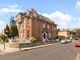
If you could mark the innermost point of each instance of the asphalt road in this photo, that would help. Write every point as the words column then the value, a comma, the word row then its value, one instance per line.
column 54, row 52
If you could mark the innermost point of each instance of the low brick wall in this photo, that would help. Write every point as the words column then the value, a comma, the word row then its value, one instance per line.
column 14, row 45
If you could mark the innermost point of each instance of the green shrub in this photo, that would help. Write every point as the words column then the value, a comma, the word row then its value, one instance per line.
column 33, row 39
column 3, row 38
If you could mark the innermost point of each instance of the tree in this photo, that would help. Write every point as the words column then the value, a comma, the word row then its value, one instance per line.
column 11, row 30
column 77, row 31
column 7, row 31
column 14, row 30
column 12, row 21
column 58, row 30
column 3, row 38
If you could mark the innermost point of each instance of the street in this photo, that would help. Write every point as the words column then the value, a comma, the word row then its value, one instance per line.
column 55, row 52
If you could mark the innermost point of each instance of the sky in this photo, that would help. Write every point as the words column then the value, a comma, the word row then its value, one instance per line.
column 65, row 13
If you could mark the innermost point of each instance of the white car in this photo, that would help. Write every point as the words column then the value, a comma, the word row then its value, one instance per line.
column 63, row 41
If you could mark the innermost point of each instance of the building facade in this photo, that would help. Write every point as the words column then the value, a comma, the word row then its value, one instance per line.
column 63, row 33
column 67, row 34
column 31, row 24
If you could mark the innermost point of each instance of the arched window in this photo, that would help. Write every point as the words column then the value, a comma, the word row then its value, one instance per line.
column 44, row 25
column 48, row 26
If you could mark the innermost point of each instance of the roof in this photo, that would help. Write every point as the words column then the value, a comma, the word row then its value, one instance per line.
column 34, row 14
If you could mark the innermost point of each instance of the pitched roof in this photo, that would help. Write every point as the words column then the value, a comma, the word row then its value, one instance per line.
column 34, row 14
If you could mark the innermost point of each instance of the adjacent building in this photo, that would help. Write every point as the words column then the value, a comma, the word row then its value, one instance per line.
column 31, row 24
column 66, row 34
column 63, row 33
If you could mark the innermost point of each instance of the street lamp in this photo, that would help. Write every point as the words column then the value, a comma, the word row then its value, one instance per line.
column 4, row 38
column 5, row 32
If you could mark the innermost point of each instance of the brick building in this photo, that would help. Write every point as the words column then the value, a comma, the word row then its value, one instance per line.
column 32, row 24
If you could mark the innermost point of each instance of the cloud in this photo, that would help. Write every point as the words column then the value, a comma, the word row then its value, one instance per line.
column 2, row 25
column 10, row 9
column 13, row 6
column 59, row 18
column 77, row 5
column 76, row 23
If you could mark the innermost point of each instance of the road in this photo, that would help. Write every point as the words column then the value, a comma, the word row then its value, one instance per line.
column 54, row 52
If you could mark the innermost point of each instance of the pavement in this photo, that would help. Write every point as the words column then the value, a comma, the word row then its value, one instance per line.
column 11, row 50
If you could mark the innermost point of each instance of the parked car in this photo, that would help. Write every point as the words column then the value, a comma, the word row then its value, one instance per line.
column 77, row 44
column 65, row 41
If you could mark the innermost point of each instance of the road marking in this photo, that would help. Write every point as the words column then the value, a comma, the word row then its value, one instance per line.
column 77, row 57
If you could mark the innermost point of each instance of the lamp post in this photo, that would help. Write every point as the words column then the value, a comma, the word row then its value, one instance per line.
column 4, row 41
column 4, row 38
column 5, row 32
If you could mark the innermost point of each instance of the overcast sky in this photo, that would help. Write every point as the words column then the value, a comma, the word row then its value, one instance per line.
column 65, row 13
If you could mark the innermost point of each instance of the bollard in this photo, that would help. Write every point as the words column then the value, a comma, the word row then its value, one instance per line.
column 20, row 46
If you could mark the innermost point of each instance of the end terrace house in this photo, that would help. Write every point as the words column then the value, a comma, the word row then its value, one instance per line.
column 32, row 24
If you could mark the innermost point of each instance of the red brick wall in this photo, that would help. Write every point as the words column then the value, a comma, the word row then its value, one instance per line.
column 35, row 28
